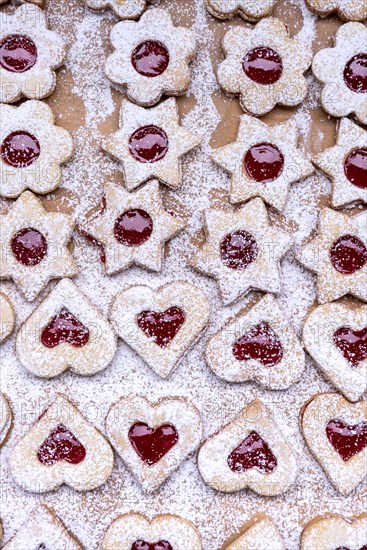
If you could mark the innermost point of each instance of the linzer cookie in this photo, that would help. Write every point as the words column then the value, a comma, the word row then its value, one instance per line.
column 153, row 440
column 258, row 534
column 124, row 9
column 29, row 55
column 66, row 330
column 348, row 10
column 6, row 418
column 7, row 317
column 160, row 324
column 336, row 434
column 247, row 9
column 249, row 452
column 335, row 532
column 61, row 447
column 342, row 71
column 150, row 144
column 151, row 57
column 264, row 66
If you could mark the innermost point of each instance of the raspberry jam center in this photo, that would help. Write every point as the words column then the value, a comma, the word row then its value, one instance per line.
column 355, row 167
column 61, row 444
column 352, row 344
column 29, row 246
column 18, row 53
column 253, row 452
column 263, row 65
column 348, row 254
column 355, row 73
column 64, row 327
column 347, row 440
column 20, row 149
column 150, row 58
column 148, row 144
column 162, row 327
column 151, row 444
column 133, row 228
column 260, row 343
column 264, row 162
column 238, row 250
column 143, row 545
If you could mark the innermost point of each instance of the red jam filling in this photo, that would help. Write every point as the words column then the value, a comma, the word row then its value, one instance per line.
column 260, row 343
column 264, row 162
column 64, row 327
column 238, row 250
column 253, row 452
column 151, row 444
column 133, row 228
column 347, row 440
column 150, row 58
column 42, row 547
column 355, row 167
column 352, row 344
column 143, row 545
column 263, row 65
column 18, row 53
column 29, row 246
column 20, row 149
column 355, row 73
column 148, row 144
column 163, row 326
column 61, row 444
column 348, row 254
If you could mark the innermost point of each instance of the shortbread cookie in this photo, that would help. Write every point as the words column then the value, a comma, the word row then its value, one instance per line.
column 153, row 440
column 124, row 9
column 264, row 66
column 161, row 324
column 260, row 534
column 335, row 335
column 249, row 452
column 242, row 250
column 151, row 57
column 150, row 143
column 33, row 245
column 30, row 71
column 335, row 532
column 136, row 532
column 338, row 255
column 263, row 161
column 66, row 330
column 133, row 228
column 336, row 434
column 342, row 70
column 7, row 317
column 247, row 9
column 258, row 345
column 61, row 447
column 6, row 418
column 43, row 530
column 31, row 149
column 348, row 10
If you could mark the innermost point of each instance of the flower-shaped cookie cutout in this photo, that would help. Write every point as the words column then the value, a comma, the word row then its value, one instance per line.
column 242, row 250
column 150, row 143
column 264, row 161
column 335, row 532
column 342, row 70
column 33, row 245
column 346, row 164
column 6, row 418
column 7, row 317
column 264, row 66
column 31, row 149
column 124, row 9
column 151, row 57
column 248, row 9
column 29, row 55
column 133, row 228
column 348, row 10
column 338, row 255
column 258, row 534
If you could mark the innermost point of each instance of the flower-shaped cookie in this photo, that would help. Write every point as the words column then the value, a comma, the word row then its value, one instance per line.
column 7, row 317
column 338, row 255
column 33, row 245
column 242, row 250
column 248, row 9
column 335, row 532
column 342, row 70
column 258, row 534
column 348, row 10
column 29, row 55
column 31, row 149
column 150, row 143
column 264, row 66
column 124, row 9
column 264, row 161
column 151, row 57
column 133, row 228
column 346, row 164
column 6, row 418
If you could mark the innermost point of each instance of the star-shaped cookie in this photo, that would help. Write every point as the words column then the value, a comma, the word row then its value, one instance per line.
column 242, row 250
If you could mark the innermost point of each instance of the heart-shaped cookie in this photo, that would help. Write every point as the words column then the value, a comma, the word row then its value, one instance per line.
column 6, row 417
column 249, row 452
column 335, row 532
column 336, row 434
column 61, row 447
column 160, row 324
column 153, row 440
column 65, row 331
column 258, row 534
column 7, row 317
column 335, row 335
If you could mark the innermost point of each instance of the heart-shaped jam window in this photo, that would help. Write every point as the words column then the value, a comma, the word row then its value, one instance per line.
column 253, row 452
column 162, row 326
column 61, row 444
column 260, row 343
column 42, row 547
column 65, row 328
column 151, row 444
column 143, row 545
column 352, row 344
column 347, row 440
